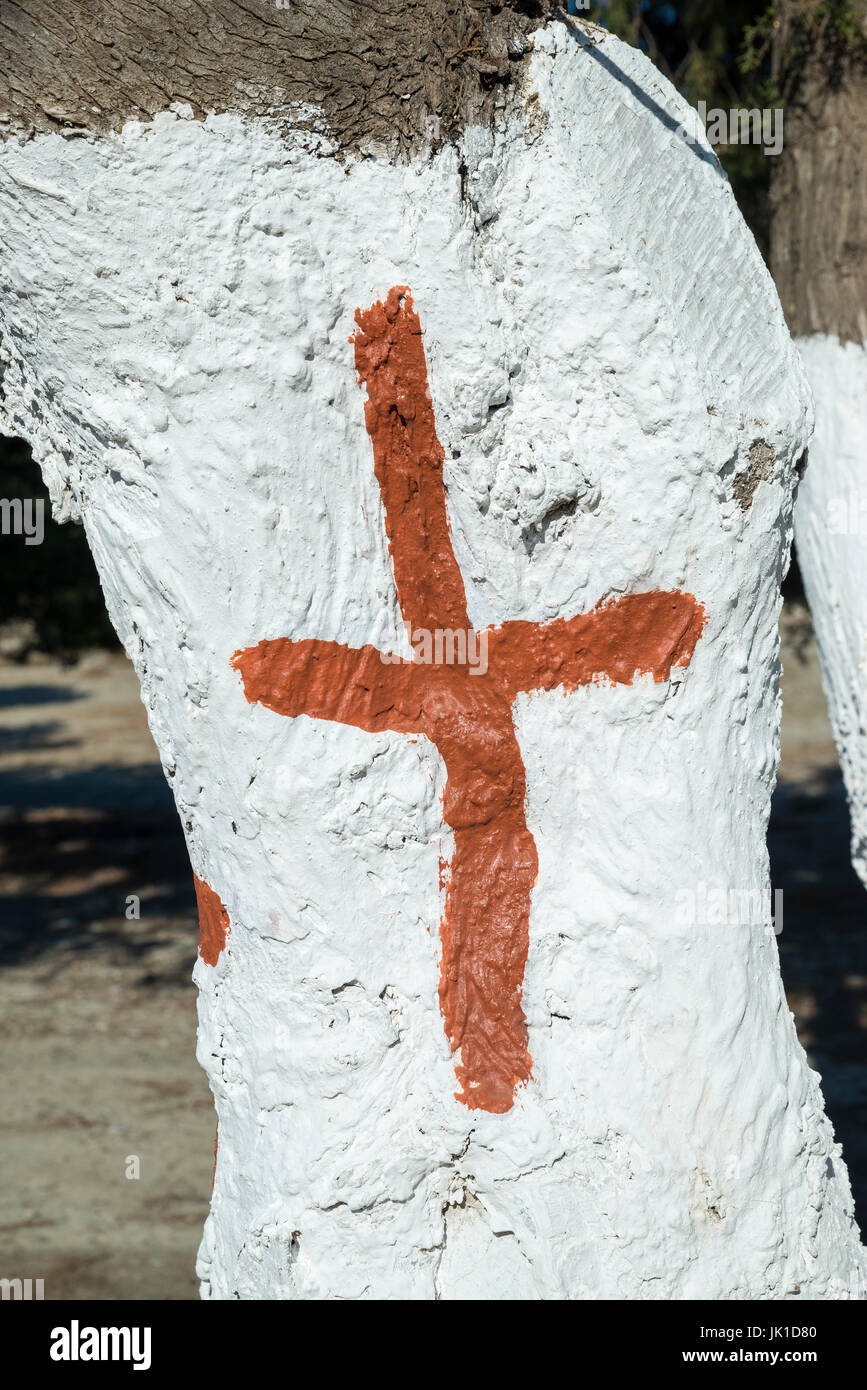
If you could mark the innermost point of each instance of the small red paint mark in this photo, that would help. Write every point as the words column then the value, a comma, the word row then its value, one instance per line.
column 213, row 922
column 468, row 715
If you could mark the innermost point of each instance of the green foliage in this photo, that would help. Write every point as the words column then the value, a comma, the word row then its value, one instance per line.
column 789, row 32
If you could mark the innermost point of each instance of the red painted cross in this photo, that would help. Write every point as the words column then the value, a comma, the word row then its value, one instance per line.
column 467, row 714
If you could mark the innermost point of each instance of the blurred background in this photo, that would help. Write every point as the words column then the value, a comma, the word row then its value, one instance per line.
column 97, row 912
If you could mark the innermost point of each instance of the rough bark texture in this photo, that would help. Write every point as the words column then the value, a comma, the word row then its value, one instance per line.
column 405, row 72
column 819, row 200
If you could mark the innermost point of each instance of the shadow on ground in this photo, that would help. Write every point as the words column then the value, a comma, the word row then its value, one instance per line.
column 98, row 939
column 84, row 852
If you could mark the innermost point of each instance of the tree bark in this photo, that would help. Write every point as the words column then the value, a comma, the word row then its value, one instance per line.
column 489, row 991
column 403, row 73
column 819, row 202
column 819, row 259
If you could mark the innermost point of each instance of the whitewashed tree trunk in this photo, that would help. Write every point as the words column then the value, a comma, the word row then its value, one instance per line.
column 831, row 533
column 818, row 234
column 621, row 414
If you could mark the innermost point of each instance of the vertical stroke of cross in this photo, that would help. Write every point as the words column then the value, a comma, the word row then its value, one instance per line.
column 468, row 715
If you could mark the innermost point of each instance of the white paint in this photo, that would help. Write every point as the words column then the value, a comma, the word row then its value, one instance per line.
column 831, row 532
column 177, row 307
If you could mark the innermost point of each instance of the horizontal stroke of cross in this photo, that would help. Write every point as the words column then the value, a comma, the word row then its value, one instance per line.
column 467, row 714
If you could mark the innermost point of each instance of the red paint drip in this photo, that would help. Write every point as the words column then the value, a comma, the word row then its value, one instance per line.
column 213, row 922
column 485, row 925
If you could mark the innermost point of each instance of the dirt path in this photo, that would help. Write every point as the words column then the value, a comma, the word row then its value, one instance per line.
column 99, row 1011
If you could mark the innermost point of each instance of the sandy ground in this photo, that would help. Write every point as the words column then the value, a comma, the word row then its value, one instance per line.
column 99, row 1011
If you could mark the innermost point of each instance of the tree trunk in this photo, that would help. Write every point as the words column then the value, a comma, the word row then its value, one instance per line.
column 819, row 254
column 441, row 500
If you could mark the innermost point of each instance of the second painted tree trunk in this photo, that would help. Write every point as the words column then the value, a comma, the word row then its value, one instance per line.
column 819, row 232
